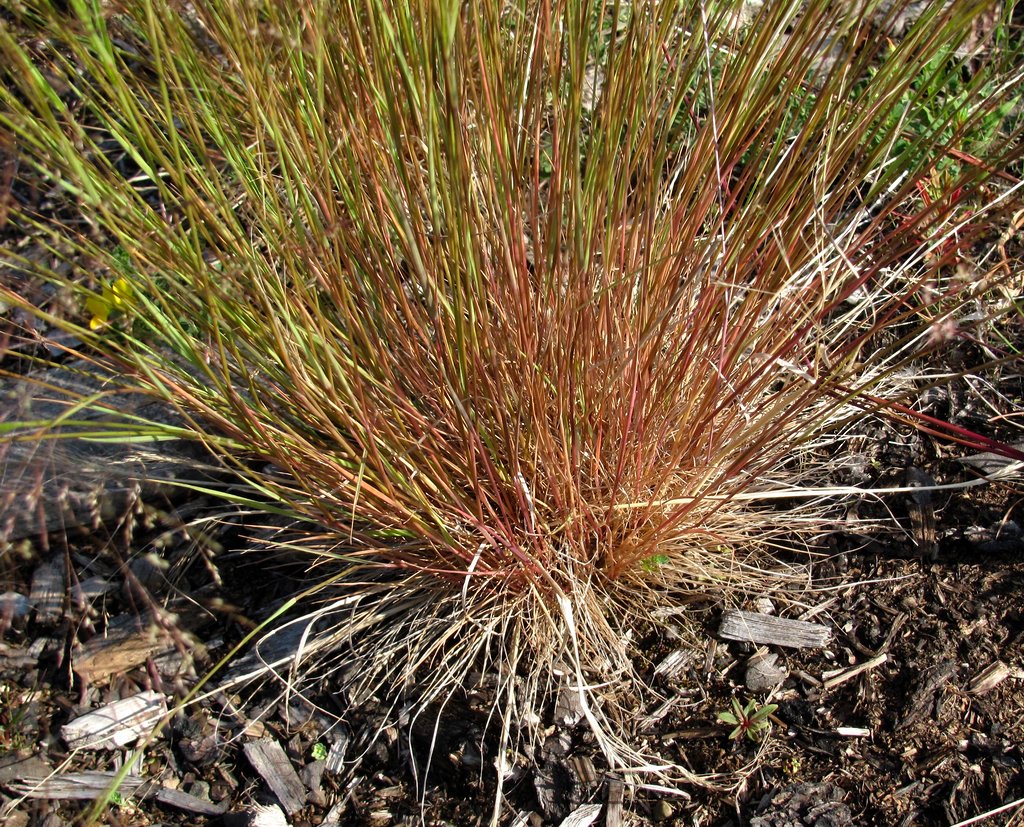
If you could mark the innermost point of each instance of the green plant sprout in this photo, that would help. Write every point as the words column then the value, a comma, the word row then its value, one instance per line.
column 752, row 720
column 654, row 562
column 319, row 751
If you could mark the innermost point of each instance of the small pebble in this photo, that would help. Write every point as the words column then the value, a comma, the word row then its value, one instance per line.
column 200, row 789
column 763, row 672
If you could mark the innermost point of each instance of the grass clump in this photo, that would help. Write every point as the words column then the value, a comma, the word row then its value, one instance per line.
column 534, row 310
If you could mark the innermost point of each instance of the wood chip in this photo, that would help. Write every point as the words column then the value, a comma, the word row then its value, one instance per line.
column 336, row 756
column 77, row 785
column 47, row 593
column 648, row 722
column 582, row 816
column 674, row 664
column 57, row 484
column 333, row 817
column 996, row 465
column 15, row 766
column 768, row 629
column 709, row 657
column 583, row 767
column 922, row 512
column 93, row 587
column 989, row 678
column 568, row 707
column 128, row 643
column 613, row 815
column 92, row 784
column 103, row 657
column 255, row 729
column 691, row 733
column 268, row 758
column 116, row 724
column 258, row 816
column 184, row 801
column 831, row 679
column 44, row 646
column 14, row 605
column 853, row 732
column 807, row 678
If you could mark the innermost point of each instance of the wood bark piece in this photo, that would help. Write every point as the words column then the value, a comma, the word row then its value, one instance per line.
column 582, row 816
column 116, row 724
column 613, row 816
column 268, row 758
column 805, row 803
column 92, row 784
column 768, row 629
column 922, row 512
column 835, row 678
column 258, row 816
column 930, row 685
column 47, row 593
column 568, row 707
column 129, row 642
column 991, row 676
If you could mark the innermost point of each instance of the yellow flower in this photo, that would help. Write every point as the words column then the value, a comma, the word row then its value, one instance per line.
column 115, row 297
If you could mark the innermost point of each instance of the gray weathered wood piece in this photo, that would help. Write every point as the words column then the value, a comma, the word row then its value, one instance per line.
column 48, row 588
column 268, row 758
column 336, row 756
column 333, row 817
column 613, row 815
column 989, row 678
column 121, row 722
column 582, row 816
column 674, row 664
column 93, row 783
column 55, row 484
column 184, row 801
column 769, row 629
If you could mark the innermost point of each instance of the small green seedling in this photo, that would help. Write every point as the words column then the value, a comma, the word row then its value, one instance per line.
column 319, row 751
column 750, row 720
column 653, row 563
